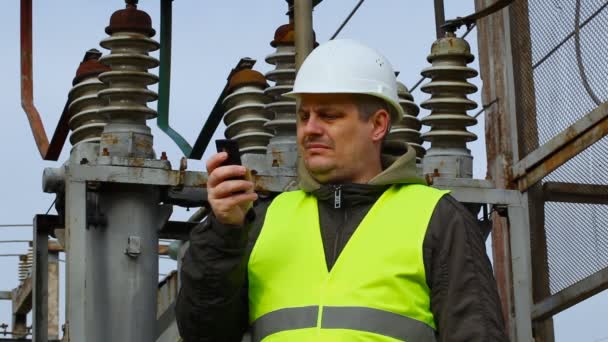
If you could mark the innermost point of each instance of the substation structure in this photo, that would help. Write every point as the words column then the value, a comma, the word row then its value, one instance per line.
column 115, row 194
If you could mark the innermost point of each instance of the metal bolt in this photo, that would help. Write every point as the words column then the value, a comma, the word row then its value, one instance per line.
column 133, row 246
column 105, row 152
column 163, row 156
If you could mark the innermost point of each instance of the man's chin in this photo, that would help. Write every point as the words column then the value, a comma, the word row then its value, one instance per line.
column 322, row 173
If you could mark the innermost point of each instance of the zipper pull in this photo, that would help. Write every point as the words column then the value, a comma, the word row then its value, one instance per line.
column 337, row 197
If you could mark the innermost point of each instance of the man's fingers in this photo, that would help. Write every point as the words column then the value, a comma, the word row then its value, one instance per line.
column 229, row 188
column 224, row 173
column 235, row 200
column 215, row 161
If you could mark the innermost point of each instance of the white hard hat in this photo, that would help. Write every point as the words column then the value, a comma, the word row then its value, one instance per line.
column 346, row 66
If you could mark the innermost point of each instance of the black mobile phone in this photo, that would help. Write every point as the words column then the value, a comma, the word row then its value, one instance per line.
column 232, row 148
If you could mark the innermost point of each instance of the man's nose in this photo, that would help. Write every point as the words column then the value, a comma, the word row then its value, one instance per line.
column 312, row 126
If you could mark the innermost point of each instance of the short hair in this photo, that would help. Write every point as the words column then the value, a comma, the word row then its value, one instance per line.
column 368, row 105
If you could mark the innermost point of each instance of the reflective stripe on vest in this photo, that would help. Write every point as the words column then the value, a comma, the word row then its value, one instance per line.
column 335, row 317
column 375, row 291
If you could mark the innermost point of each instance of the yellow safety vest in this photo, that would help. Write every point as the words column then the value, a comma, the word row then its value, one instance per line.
column 376, row 290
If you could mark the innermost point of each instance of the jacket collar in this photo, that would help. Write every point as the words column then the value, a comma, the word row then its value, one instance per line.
column 396, row 170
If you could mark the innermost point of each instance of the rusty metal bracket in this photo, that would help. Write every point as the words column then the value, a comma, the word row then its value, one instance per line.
column 52, row 151
column 453, row 24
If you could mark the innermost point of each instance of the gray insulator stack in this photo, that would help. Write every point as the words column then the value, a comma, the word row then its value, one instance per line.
column 86, row 123
column 448, row 155
column 23, row 268
column 407, row 130
column 127, row 94
column 282, row 149
column 246, row 112
column 26, row 262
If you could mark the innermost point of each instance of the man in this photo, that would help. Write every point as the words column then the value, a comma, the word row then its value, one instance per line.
column 363, row 252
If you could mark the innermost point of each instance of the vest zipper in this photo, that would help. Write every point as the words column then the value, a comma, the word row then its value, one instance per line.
column 337, row 197
column 339, row 229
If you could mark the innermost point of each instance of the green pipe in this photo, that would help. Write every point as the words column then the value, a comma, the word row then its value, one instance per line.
column 164, row 87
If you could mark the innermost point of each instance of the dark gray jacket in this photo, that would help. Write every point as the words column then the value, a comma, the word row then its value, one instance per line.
column 213, row 303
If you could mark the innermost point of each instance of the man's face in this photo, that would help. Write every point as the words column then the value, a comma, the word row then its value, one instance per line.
column 335, row 144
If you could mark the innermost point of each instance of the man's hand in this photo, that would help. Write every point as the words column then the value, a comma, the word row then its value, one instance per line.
column 230, row 198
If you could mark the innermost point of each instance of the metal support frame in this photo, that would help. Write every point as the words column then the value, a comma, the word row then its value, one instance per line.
column 516, row 203
column 40, row 287
column 45, row 279
column 563, row 147
column 571, row 295
column 82, row 181
column 75, row 238
column 21, row 304
column 47, row 151
column 575, row 193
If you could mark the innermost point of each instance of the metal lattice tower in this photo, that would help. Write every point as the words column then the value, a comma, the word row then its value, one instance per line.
column 448, row 155
column 127, row 94
column 85, row 122
column 406, row 130
column 246, row 112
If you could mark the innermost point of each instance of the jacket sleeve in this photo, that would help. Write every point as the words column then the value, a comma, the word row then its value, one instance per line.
column 212, row 301
column 464, row 297
column 212, row 304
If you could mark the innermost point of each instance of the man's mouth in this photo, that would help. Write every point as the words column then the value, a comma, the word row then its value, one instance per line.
column 312, row 146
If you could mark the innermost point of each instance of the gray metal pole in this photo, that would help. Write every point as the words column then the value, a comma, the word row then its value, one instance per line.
column 303, row 30
column 439, row 18
column 122, row 270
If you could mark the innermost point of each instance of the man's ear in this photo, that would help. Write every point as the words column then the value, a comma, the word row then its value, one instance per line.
column 381, row 122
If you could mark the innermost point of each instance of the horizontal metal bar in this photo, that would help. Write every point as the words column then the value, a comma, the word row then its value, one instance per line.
column 136, row 175
column 15, row 225
column 574, row 139
column 21, row 339
column 575, row 193
column 571, row 295
column 461, row 182
column 477, row 194
column 6, row 295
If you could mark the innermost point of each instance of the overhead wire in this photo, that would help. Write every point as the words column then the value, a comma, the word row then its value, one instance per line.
column 350, row 15
column 579, row 58
column 16, row 225
column 9, row 225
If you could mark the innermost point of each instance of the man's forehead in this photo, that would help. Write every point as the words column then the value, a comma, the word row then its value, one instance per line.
column 310, row 101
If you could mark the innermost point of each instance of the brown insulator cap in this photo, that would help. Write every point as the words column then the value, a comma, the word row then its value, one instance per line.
column 131, row 19
column 246, row 77
column 90, row 66
column 285, row 35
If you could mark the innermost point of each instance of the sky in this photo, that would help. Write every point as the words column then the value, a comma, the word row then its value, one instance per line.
column 208, row 39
